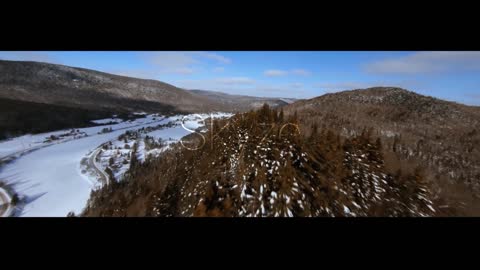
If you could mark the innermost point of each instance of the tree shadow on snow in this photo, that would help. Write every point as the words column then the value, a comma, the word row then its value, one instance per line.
column 32, row 198
column 19, row 208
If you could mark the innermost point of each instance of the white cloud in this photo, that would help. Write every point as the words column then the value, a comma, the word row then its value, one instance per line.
column 216, row 83
column 301, row 72
column 235, row 80
column 278, row 72
column 427, row 62
column 275, row 73
column 182, row 70
column 170, row 62
column 169, row 59
column 214, row 56
column 219, row 69
column 282, row 91
column 181, row 62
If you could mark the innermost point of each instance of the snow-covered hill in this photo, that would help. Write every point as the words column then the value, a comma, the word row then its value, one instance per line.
column 84, row 88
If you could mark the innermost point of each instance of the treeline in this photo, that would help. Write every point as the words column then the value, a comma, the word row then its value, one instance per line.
column 21, row 117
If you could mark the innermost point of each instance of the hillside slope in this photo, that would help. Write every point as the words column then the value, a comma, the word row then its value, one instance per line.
column 442, row 136
column 262, row 164
column 78, row 87
column 21, row 117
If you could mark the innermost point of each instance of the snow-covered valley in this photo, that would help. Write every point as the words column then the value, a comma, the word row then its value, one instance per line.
column 45, row 169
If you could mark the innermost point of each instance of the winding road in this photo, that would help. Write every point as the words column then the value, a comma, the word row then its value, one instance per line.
column 92, row 163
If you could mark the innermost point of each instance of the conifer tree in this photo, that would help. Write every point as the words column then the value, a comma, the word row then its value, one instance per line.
column 111, row 161
column 395, row 143
column 133, row 159
column 295, row 117
column 378, row 144
column 111, row 177
column 275, row 116
column 281, row 116
column 314, row 131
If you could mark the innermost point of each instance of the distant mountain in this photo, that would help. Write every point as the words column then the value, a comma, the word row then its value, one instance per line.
column 242, row 103
column 89, row 89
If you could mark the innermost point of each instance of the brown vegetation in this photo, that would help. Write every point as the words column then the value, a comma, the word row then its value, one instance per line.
column 416, row 130
column 264, row 163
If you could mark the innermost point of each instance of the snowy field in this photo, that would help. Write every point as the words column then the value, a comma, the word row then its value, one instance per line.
column 29, row 142
column 116, row 154
column 49, row 178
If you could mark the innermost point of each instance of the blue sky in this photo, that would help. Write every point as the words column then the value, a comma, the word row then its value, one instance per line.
column 452, row 76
